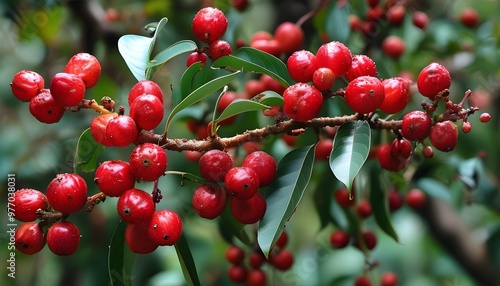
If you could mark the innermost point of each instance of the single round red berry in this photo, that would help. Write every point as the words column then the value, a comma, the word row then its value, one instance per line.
column 362, row 65
column 428, row 152
column 67, row 193
column 136, row 239
column 339, row 238
column 323, row 79
column 242, row 182
column 226, row 99
column 254, row 87
column 301, row 66
column 239, row 5
column 27, row 202
column 335, row 56
column 469, row 17
column 272, row 84
column 302, row 102
column 415, row 198
column 63, row 238
column 45, row 109
column 416, row 125
column 374, row 14
column 122, row 131
column 263, row 164
column 165, row 227
column 144, row 87
column 98, row 127
column 364, row 94
column 444, row 136
column 396, row 14
column 281, row 260
column 114, row 177
column 369, row 240
column 67, row 89
column 256, row 260
column 248, row 211
column 147, row 111
column 420, row 19
column 466, row 127
column 484, row 117
column 135, row 206
column 389, row 162
column 282, row 240
column 388, row 279
column 29, row 238
column 393, row 46
column 214, row 165
column 195, row 57
column 219, row 48
column 235, row 255
column 323, row 149
column 395, row 200
column 209, row 24
column 26, row 84
column 237, row 273
column 401, row 148
column 433, row 79
column 289, row 36
column 86, row 66
column 364, row 208
column 397, row 94
column 148, row 162
column 362, row 281
column 343, row 198
column 208, row 201
column 269, row 46
column 256, row 277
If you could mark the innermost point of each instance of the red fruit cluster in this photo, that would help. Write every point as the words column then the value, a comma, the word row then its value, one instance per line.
column 286, row 39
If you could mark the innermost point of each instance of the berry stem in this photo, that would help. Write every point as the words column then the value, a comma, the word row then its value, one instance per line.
column 313, row 12
column 94, row 200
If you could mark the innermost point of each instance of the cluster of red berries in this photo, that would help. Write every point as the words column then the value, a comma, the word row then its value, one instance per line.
column 67, row 89
column 386, row 279
column 251, row 272
column 286, row 39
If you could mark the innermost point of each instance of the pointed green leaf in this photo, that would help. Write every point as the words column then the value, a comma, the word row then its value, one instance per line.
column 87, row 153
column 187, row 176
column 253, row 60
column 120, row 258
column 238, row 106
column 186, row 82
column 351, row 146
column 335, row 22
column 322, row 198
column 167, row 54
column 380, row 203
column 271, row 98
column 235, row 228
column 199, row 94
column 187, row 262
column 284, row 194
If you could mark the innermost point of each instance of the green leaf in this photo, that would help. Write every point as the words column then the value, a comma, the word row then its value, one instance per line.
column 284, row 194
column 435, row 188
column 199, row 94
column 120, row 258
column 236, row 228
column 380, row 203
column 322, row 198
column 238, row 106
column 167, row 54
column 351, row 146
column 186, row 82
column 335, row 22
column 187, row 176
column 270, row 98
column 187, row 262
column 87, row 153
column 253, row 60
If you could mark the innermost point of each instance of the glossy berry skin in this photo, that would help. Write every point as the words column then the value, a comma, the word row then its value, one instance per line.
column 339, row 239
column 362, row 65
column 45, row 109
column 301, row 66
column 263, row 164
column 26, row 84
column 98, row 127
column 136, row 241
column 67, row 193
column 416, row 125
column 195, row 57
column 29, row 238
column 67, row 89
column 144, row 86
column 393, row 46
column 323, row 79
column 135, row 206
column 389, row 162
column 362, row 281
column 484, row 117
column 237, row 273
column 401, row 148
column 282, row 260
column 397, row 94
column 363, row 208
column 214, row 165
column 256, row 277
column 428, row 152
column 165, row 227
column 235, row 255
column 335, row 56
column 219, row 48
column 209, row 24
column 396, row 14
column 86, row 66
column 208, row 201
column 272, row 84
column 388, row 279
column 248, row 211
column 114, row 177
column 269, row 46
column 369, row 240
column 395, row 200
column 148, row 162
column 432, row 79
column 343, row 199
column 415, row 198
column 27, row 202
column 122, row 131
column 147, row 111
column 444, row 136
column 302, row 102
column 323, row 149
column 63, row 238
column 469, row 17
column 364, row 94
column 420, row 19
column 289, row 36
column 282, row 240
column 242, row 182
column 256, row 260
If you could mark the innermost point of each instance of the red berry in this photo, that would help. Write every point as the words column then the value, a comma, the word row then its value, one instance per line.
column 369, row 240
column 433, row 79
column 26, row 84
column 372, row 3
column 98, row 127
column 301, row 66
column 289, row 36
column 401, row 148
column 148, row 162
column 323, row 149
column 114, row 177
column 416, row 125
column 302, row 102
column 397, row 94
column 466, row 127
column 323, row 79
column 396, row 14
column 485, row 117
column 239, row 5
column 415, row 198
column 144, row 87
column 219, row 48
column 209, row 24
column 282, row 240
column 272, row 84
column 235, row 255
column 208, row 201
column 122, row 131
column 195, row 57
column 261, row 35
column 364, row 209
column 374, row 14
column 339, row 238
column 393, row 46
column 428, row 152
column 29, row 238
column 248, row 211
column 27, row 202
column 254, row 87
column 343, row 198
column 165, row 227
column 237, row 273
column 226, row 99
column 263, row 164
column 335, row 56
column 44, row 108
column 420, row 19
column 469, row 17
column 63, row 238
column 67, row 193
column 256, row 277
column 214, row 165
column 147, row 111
column 67, row 89
column 256, row 260
column 281, row 260
column 86, row 66
column 388, row 279
column 364, row 94
column 269, row 46
column 362, row 281
column 395, row 200
column 242, row 182
column 444, row 136
column 388, row 161
column 135, row 206
column 136, row 241
column 361, row 65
